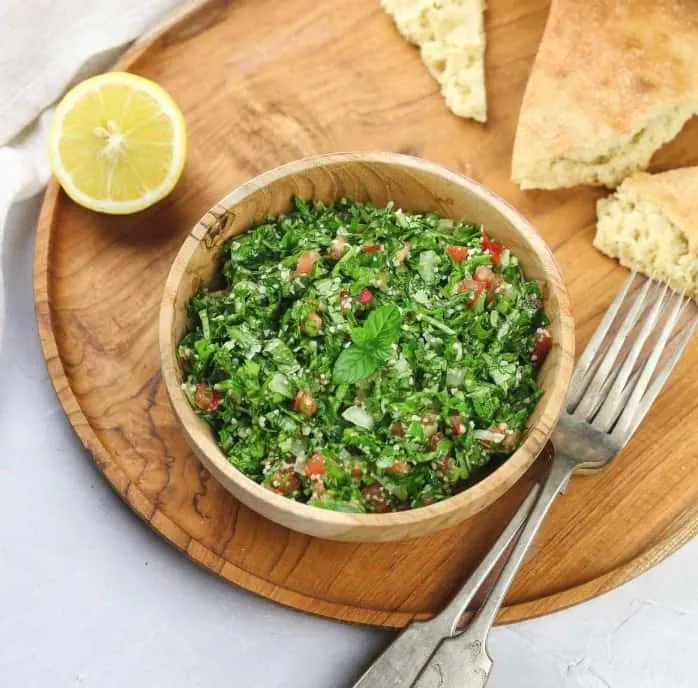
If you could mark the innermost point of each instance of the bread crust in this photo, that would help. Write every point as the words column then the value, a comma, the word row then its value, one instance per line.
column 612, row 81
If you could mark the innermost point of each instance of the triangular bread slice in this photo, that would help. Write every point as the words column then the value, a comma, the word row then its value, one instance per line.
column 651, row 225
column 612, row 82
column 451, row 38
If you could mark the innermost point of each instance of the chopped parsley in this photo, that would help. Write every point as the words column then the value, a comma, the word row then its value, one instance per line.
column 365, row 359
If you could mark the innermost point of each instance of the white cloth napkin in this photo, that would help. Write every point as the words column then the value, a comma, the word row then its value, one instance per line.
column 45, row 47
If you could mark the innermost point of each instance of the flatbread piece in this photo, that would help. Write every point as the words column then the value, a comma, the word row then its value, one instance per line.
column 612, row 82
column 451, row 38
column 650, row 224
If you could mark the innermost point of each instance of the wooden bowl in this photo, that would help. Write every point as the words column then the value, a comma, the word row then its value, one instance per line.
column 415, row 185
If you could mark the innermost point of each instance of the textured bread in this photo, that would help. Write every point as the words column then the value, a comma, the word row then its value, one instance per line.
column 651, row 225
column 451, row 38
column 612, row 82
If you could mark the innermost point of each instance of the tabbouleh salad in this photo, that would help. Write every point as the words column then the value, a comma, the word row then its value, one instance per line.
column 365, row 359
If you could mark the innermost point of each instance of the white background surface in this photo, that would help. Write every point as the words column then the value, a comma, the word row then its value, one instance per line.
column 89, row 596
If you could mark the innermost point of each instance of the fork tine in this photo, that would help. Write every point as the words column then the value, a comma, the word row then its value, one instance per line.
column 612, row 406
column 656, row 387
column 639, row 403
column 578, row 383
column 593, row 395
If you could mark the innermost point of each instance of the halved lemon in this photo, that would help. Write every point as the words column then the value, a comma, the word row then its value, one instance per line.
column 117, row 143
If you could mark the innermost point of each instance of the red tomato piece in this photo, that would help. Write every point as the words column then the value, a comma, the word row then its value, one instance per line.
column 313, row 324
column 315, row 466
column 492, row 247
column 458, row 253
column 357, row 470
column 473, row 286
column 365, row 296
column 205, row 397
column 434, row 441
column 544, row 342
column 306, row 262
column 488, row 278
column 375, row 498
column 397, row 468
column 344, row 301
column 304, row 403
column 371, row 248
column 284, row 481
column 397, row 430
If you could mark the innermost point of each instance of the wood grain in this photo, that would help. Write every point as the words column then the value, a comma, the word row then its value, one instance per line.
column 263, row 82
column 414, row 185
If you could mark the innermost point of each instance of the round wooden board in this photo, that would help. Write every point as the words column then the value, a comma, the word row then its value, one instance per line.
column 262, row 82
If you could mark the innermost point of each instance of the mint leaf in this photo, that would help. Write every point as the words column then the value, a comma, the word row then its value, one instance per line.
column 381, row 327
column 354, row 364
column 371, row 348
column 360, row 336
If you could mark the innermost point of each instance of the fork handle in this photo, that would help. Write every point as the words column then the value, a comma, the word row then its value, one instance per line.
column 462, row 661
column 402, row 661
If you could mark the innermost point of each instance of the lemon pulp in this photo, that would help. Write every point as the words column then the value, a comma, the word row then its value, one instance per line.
column 117, row 143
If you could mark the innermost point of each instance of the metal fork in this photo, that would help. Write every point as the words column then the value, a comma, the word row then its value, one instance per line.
column 610, row 393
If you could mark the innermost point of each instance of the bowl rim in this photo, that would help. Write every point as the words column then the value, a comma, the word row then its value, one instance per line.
column 499, row 481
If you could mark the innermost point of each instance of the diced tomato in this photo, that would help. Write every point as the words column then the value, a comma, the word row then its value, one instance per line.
column 315, row 466
column 344, row 301
column 375, row 498
column 492, row 247
column 471, row 285
column 488, row 278
column 304, row 403
column 338, row 247
column 512, row 439
column 284, row 481
column 371, row 248
column 398, row 468
column 484, row 274
column 544, row 342
column 457, row 425
column 306, row 262
column 446, row 464
column 434, row 441
column 498, row 428
column 397, row 430
column 205, row 397
column 313, row 324
column 458, row 253
column 365, row 296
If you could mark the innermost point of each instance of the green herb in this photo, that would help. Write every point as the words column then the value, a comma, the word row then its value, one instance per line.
column 371, row 346
column 383, row 361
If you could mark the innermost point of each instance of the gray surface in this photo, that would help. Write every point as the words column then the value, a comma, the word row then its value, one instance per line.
column 89, row 596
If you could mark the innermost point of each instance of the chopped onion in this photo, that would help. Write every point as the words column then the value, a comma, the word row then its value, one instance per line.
column 426, row 265
column 490, row 436
column 455, row 377
column 280, row 385
column 358, row 416
column 402, row 367
column 420, row 296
